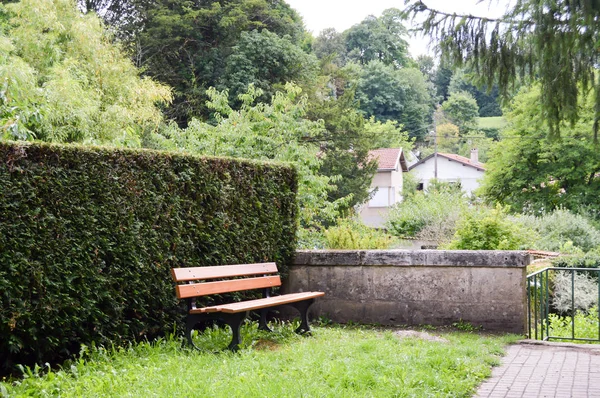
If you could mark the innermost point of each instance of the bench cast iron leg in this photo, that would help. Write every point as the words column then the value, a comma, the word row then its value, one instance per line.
column 302, row 307
column 262, row 324
column 235, row 322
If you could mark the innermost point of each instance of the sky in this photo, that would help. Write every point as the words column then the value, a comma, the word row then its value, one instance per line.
column 342, row 14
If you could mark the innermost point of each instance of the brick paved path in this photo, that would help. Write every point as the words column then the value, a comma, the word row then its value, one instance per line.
column 545, row 370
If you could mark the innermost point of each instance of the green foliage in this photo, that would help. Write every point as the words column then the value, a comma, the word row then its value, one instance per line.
column 585, row 294
column 560, row 227
column 267, row 61
column 188, row 46
column 344, row 146
column 381, row 365
column 461, row 109
column 586, row 324
column 561, row 173
column 590, row 259
column 276, row 131
column 555, row 42
column 400, row 95
column 88, row 237
column 427, row 216
column 487, row 101
column 489, row 229
column 379, row 39
column 62, row 79
column 351, row 234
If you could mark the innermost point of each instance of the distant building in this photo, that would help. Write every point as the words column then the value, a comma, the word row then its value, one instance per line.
column 453, row 169
column 387, row 184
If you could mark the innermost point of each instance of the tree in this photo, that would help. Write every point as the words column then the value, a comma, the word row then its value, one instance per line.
column 62, row 79
column 554, row 41
column 400, row 95
column 379, row 39
column 344, row 147
column 267, row 61
column 462, row 110
column 330, row 44
column 487, row 102
column 187, row 44
column 533, row 173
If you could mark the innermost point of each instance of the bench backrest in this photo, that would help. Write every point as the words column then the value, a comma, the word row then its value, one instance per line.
column 245, row 274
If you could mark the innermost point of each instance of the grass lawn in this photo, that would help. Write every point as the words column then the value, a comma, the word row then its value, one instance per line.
column 494, row 122
column 337, row 361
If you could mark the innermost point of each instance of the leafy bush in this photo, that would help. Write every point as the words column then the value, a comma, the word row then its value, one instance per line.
column 586, row 291
column 489, row 229
column 581, row 260
column 88, row 237
column 586, row 324
column 351, row 234
column 432, row 215
column 562, row 226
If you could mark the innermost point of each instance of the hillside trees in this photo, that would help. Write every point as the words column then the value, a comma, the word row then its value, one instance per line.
column 400, row 95
column 62, row 79
column 188, row 46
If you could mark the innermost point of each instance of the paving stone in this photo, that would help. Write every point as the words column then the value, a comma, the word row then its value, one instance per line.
column 545, row 370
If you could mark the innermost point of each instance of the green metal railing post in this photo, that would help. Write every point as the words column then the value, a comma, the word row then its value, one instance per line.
column 547, row 306
column 535, row 308
column 572, row 305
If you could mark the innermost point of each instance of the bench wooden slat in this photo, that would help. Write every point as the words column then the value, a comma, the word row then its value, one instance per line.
column 222, row 271
column 259, row 303
column 234, row 285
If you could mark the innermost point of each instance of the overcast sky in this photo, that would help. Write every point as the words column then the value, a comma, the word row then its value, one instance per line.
column 342, row 14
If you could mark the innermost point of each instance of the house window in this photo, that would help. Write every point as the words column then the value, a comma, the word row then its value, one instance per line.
column 384, row 197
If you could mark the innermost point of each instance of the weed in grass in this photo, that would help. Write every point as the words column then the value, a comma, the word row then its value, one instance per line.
column 466, row 326
column 336, row 361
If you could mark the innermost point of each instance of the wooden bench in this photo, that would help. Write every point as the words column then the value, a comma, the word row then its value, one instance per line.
column 199, row 281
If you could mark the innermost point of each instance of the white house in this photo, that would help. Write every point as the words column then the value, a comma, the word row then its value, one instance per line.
column 387, row 184
column 451, row 169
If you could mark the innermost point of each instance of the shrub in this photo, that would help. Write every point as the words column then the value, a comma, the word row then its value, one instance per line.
column 586, row 291
column 560, row 227
column 489, row 229
column 586, row 324
column 433, row 214
column 581, row 260
column 88, row 236
column 351, row 234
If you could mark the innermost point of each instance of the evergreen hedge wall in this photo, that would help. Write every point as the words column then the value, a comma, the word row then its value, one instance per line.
column 88, row 236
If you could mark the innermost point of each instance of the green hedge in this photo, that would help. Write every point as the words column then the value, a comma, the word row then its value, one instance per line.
column 88, row 236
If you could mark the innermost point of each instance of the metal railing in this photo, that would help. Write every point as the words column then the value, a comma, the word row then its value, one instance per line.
column 539, row 304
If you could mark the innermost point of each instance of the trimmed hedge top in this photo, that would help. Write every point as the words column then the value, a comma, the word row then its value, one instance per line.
column 88, row 236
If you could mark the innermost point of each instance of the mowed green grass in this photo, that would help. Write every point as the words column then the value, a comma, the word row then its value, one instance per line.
column 335, row 361
column 494, row 122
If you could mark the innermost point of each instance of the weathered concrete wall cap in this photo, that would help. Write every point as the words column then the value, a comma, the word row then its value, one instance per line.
column 443, row 258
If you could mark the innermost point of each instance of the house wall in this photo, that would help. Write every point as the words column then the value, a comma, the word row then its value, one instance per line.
column 377, row 216
column 404, row 287
column 448, row 171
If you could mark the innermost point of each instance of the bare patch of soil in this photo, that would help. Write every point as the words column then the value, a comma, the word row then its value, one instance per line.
column 419, row 335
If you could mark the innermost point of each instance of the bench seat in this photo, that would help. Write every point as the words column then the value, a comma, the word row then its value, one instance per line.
column 253, row 305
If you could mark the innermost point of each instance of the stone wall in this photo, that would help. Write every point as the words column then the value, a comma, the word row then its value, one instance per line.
column 402, row 287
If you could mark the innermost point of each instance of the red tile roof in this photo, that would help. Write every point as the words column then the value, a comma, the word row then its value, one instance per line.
column 387, row 158
column 462, row 159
